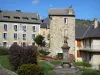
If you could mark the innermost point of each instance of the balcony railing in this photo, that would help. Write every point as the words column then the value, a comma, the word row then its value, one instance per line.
column 92, row 48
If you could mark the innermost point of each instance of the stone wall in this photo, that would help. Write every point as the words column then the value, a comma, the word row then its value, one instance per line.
column 58, row 29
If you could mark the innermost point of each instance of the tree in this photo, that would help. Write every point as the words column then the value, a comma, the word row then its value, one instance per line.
column 19, row 55
column 39, row 40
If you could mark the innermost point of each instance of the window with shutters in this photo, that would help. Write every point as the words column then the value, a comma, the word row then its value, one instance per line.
column 15, row 36
column 78, row 54
column 79, row 43
column 5, row 35
column 24, row 36
column 5, row 44
column 15, row 27
column 24, row 28
column 33, row 36
column 5, row 27
column 33, row 28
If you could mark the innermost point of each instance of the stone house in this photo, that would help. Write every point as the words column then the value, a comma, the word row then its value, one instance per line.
column 18, row 27
column 88, row 44
column 62, row 25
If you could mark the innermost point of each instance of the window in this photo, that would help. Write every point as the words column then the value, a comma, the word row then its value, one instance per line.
column 15, row 42
column 24, row 36
column 78, row 54
column 24, row 44
column 15, row 36
column 34, row 19
column 5, row 44
column 5, row 35
column 66, row 20
column 5, row 27
column 33, row 28
column 79, row 43
column 33, row 36
column 24, row 28
column 16, row 17
column 25, row 18
column 15, row 27
column 6, row 17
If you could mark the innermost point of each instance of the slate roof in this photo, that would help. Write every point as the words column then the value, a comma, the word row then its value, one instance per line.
column 45, row 23
column 21, row 17
column 61, row 11
column 82, row 32
column 93, row 32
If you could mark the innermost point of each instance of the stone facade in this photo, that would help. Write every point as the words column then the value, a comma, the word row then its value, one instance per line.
column 59, row 29
column 19, row 40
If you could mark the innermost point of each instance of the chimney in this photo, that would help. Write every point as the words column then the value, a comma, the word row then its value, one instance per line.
column 95, row 22
column 18, row 10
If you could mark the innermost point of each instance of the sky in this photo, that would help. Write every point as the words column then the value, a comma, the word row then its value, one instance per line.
column 84, row 9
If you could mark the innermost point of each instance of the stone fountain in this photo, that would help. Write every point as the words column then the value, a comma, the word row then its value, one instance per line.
column 66, row 68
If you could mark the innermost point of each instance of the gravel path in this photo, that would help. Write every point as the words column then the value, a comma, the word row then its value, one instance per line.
column 3, row 71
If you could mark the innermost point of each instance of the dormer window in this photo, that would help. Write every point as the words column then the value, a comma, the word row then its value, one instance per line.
column 16, row 17
column 34, row 19
column 25, row 18
column 6, row 17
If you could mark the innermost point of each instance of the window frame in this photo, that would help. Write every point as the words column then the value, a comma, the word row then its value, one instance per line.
column 4, row 26
column 66, row 21
column 14, row 27
column 24, row 38
column 15, row 36
column 6, row 36
column 34, row 36
column 34, row 28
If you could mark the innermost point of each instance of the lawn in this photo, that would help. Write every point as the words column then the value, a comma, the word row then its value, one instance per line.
column 4, row 62
column 56, row 62
column 48, row 70
column 89, row 71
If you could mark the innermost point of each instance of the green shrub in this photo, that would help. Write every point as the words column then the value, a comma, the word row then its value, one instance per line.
column 3, row 51
column 19, row 55
column 84, row 64
column 29, row 69
column 43, row 53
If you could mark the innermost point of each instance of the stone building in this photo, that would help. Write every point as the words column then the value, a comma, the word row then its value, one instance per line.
column 88, row 44
column 62, row 25
column 19, row 27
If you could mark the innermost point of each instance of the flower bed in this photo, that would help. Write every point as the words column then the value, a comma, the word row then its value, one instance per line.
column 48, row 58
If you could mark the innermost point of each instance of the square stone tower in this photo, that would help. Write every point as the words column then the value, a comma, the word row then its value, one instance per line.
column 62, row 25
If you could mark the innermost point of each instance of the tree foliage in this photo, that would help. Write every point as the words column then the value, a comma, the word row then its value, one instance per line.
column 39, row 39
column 19, row 55
column 29, row 69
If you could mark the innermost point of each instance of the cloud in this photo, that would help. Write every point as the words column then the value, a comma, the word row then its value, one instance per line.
column 35, row 1
column 51, row 5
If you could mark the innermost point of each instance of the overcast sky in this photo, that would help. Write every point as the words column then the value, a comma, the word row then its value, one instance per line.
column 84, row 9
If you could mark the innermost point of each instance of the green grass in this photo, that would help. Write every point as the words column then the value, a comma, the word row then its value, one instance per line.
column 48, row 70
column 45, row 65
column 56, row 62
column 89, row 71
column 5, row 62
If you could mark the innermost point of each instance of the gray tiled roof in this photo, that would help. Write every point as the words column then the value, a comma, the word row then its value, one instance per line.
column 32, row 17
column 45, row 23
column 62, row 11
column 92, row 32
column 80, row 31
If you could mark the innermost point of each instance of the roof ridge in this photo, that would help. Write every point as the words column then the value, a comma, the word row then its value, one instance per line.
column 86, row 32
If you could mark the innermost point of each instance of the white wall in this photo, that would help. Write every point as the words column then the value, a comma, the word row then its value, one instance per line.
column 96, row 44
